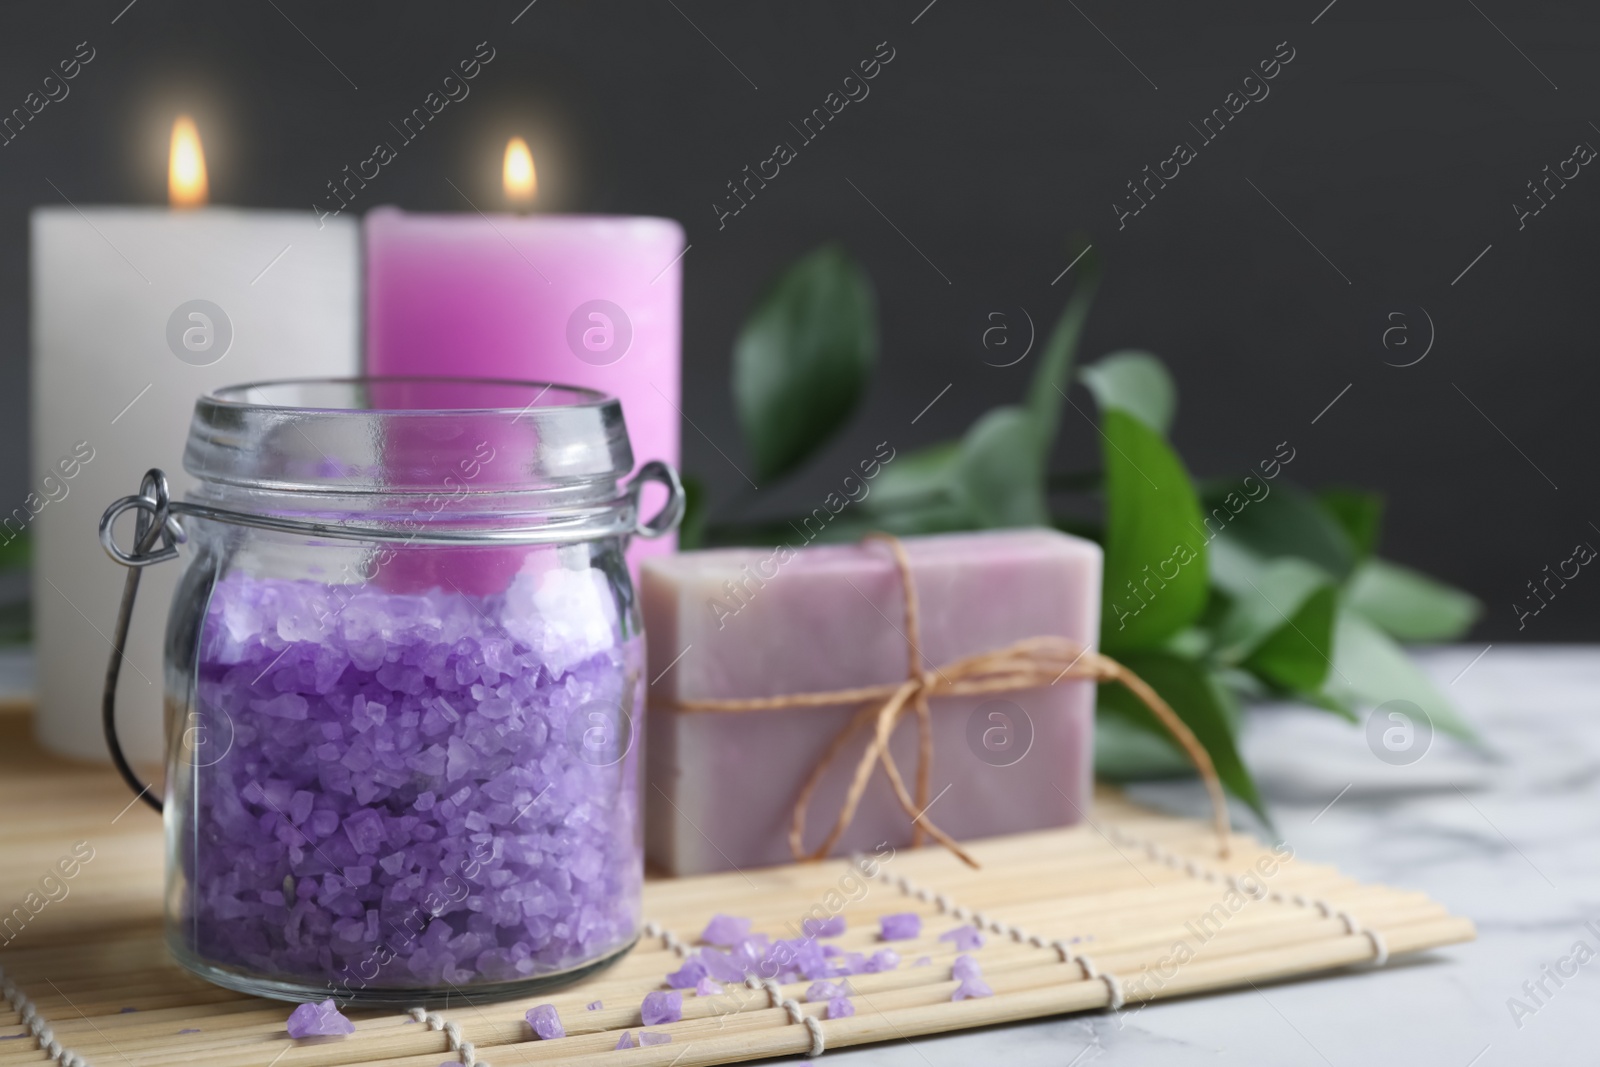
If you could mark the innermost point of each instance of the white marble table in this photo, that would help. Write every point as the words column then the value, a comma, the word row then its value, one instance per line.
column 1513, row 844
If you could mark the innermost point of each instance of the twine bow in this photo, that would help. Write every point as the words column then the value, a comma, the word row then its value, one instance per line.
column 1027, row 664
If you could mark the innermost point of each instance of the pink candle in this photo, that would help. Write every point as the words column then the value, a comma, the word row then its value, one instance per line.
column 580, row 300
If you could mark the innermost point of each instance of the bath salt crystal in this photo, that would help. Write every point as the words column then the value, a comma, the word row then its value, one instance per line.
column 823, row 991
column 840, row 1008
column 725, row 930
column 969, row 977
column 900, row 927
column 660, row 1007
column 625, row 1041
column 966, row 937
column 691, row 973
column 707, row 988
column 923, row 961
column 832, row 926
column 545, row 1022
column 653, row 1039
column 965, row 967
column 372, row 824
column 885, row 959
column 971, row 988
column 319, row 1020
column 595, row 1005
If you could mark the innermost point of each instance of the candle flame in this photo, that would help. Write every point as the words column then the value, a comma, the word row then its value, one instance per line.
column 186, row 166
column 521, row 180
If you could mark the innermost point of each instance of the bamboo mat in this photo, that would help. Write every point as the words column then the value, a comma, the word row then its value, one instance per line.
column 1136, row 906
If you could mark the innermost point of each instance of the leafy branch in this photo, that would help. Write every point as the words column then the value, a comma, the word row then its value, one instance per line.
column 1215, row 592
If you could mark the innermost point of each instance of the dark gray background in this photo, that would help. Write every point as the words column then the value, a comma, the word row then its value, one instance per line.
column 997, row 140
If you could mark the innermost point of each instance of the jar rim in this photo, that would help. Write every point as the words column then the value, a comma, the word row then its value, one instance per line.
column 406, row 435
column 234, row 395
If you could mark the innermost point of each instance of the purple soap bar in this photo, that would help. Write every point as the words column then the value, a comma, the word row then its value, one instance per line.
column 765, row 622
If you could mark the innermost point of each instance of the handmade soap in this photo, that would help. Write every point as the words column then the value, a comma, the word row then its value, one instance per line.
column 743, row 623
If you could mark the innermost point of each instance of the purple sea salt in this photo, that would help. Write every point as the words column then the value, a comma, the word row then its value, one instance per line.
column 546, row 1022
column 824, row 991
column 969, row 977
column 625, row 1041
column 318, row 1020
column 967, row 937
column 594, row 1005
column 707, row 988
column 646, row 1039
column 660, row 1007
column 923, row 961
column 832, row 926
column 410, row 793
column 885, row 959
column 689, row 974
column 901, row 927
column 725, row 930
column 840, row 1008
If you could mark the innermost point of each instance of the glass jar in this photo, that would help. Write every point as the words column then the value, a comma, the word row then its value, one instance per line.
column 404, row 687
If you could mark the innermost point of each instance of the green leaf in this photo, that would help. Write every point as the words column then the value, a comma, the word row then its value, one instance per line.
column 1275, row 519
column 802, row 360
column 692, row 530
column 1409, row 605
column 1054, row 372
column 1358, row 513
column 1298, row 655
column 17, row 553
column 915, row 479
column 1155, row 565
column 1370, row 669
column 1279, row 623
column 999, row 474
column 1203, row 704
column 1124, row 752
column 1135, row 382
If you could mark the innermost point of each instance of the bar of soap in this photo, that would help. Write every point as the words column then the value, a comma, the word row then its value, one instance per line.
column 742, row 623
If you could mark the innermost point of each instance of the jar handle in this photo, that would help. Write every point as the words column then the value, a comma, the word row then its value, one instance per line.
column 156, row 538
column 666, row 520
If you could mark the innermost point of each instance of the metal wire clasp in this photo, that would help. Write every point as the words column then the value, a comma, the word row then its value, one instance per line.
column 155, row 522
column 156, row 537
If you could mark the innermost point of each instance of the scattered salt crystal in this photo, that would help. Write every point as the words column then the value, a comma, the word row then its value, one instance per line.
column 971, row 988
column 654, row 1039
column 692, row 972
column 965, row 967
column 707, row 988
column 725, row 930
column 832, row 926
column 318, row 1020
column 595, row 1005
column 546, row 1022
column 840, row 1008
column 824, row 991
column 661, row 1007
column 970, row 979
column 885, row 959
column 967, row 937
column 625, row 1041
column 900, row 927
column 923, row 961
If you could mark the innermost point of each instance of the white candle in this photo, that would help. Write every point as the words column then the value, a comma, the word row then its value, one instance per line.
column 136, row 312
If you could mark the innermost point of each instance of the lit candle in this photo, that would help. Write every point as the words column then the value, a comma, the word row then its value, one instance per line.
column 581, row 300
column 136, row 312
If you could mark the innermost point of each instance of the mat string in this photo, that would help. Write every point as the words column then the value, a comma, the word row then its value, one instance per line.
column 1027, row 664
